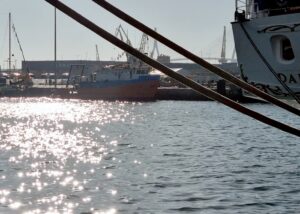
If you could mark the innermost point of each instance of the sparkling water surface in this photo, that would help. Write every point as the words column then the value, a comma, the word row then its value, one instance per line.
column 72, row 156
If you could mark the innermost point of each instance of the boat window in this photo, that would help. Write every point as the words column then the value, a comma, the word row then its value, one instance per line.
column 287, row 50
column 282, row 49
column 2, row 81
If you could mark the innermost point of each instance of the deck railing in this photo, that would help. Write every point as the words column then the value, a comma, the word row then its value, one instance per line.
column 250, row 9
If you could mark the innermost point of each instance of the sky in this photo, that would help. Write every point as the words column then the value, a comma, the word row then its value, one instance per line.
column 197, row 25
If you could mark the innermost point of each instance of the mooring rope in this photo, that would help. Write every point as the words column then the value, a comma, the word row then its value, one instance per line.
column 199, row 88
column 218, row 71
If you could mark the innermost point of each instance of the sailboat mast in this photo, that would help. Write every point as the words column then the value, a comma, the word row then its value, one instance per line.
column 55, row 50
column 9, row 48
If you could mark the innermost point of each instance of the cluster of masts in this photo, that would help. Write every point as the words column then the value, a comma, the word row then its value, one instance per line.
column 12, row 63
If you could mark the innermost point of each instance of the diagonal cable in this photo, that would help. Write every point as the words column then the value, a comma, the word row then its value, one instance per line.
column 225, row 75
column 195, row 86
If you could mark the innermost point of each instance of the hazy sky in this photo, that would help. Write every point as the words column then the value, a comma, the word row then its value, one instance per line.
column 195, row 24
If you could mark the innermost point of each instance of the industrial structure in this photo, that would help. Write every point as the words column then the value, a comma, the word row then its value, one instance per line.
column 87, row 67
column 191, row 70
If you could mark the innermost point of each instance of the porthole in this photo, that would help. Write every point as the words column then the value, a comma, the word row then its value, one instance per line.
column 282, row 49
column 287, row 52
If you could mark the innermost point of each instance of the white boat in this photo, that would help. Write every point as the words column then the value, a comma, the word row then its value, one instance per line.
column 266, row 34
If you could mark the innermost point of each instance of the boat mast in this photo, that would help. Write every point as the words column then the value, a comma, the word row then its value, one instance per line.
column 9, row 48
column 55, row 64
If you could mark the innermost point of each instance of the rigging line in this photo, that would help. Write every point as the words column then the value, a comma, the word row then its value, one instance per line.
column 21, row 49
column 14, row 29
column 218, row 71
column 192, row 84
column 285, row 86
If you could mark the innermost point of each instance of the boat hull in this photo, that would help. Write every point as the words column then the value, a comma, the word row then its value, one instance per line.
column 37, row 92
column 268, row 35
column 137, row 89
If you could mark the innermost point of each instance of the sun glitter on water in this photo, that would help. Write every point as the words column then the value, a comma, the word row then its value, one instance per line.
column 46, row 137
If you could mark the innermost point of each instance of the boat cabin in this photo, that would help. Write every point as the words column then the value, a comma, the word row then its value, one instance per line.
column 277, row 7
column 262, row 8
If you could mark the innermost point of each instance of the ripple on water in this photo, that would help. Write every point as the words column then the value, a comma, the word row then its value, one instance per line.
column 71, row 156
column 48, row 143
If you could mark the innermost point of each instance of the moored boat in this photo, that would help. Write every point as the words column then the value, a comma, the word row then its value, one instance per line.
column 5, row 89
column 119, row 83
column 266, row 35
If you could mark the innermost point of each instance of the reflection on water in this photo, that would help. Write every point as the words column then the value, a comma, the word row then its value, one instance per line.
column 71, row 156
column 53, row 148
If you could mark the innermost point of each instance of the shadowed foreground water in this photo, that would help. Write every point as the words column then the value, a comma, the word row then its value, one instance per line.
column 62, row 156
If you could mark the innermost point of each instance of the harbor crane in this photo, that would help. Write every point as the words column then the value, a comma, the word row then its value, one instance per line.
column 132, row 61
column 120, row 32
column 144, row 43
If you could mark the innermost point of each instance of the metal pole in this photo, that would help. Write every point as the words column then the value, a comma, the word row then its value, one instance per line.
column 218, row 71
column 9, row 48
column 199, row 88
column 55, row 49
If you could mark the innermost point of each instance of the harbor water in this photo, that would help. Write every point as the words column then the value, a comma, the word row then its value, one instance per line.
column 73, row 156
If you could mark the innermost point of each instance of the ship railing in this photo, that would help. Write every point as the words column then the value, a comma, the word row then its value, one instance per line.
column 256, row 13
column 250, row 9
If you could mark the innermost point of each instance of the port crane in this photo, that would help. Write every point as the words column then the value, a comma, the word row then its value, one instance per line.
column 144, row 43
column 120, row 33
column 132, row 61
